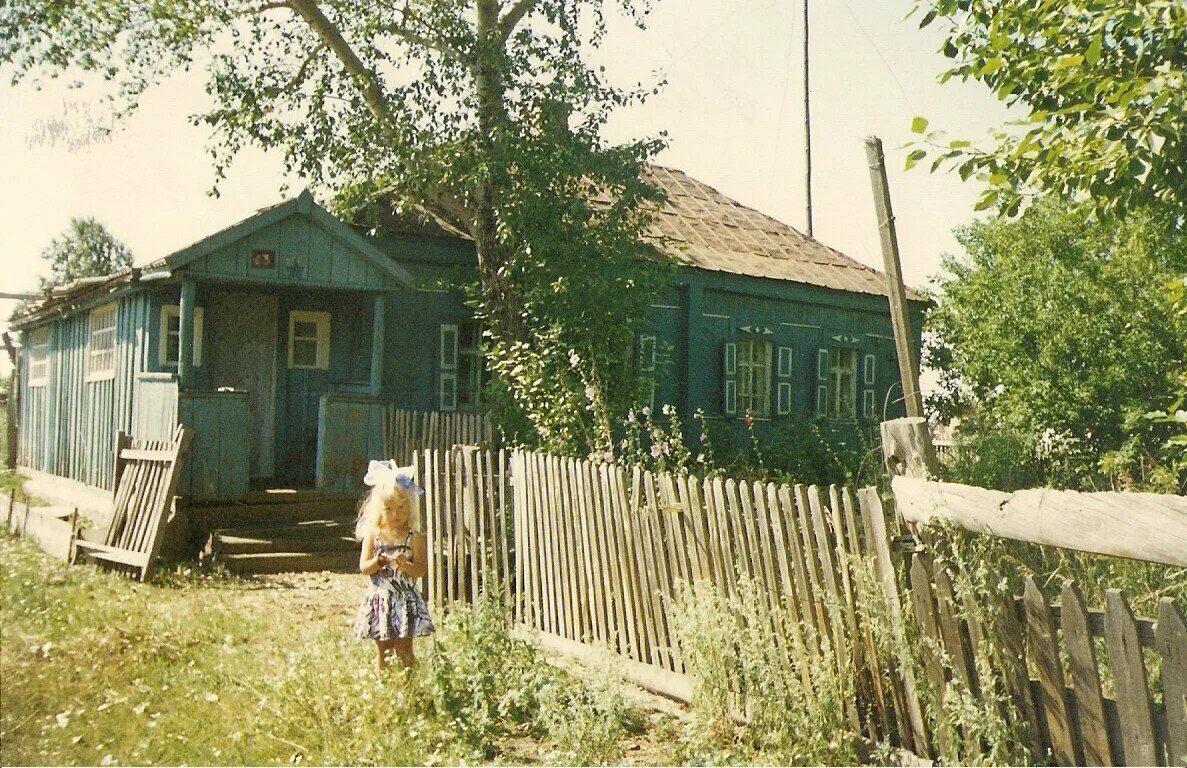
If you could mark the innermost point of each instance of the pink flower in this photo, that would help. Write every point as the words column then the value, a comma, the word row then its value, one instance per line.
column 748, row 419
column 667, row 448
column 655, row 450
column 574, row 358
column 608, row 456
column 630, row 415
column 589, row 393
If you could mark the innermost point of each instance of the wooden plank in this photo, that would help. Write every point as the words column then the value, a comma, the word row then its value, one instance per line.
column 698, row 528
column 829, row 579
column 578, row 606
column 792, row 526
column 1129, row 677
column 659, row 571
column 614, row 507
column 874, row 520
column 923, row 607
column 1041, row 631
column 719, row 534
column 1172, row 648
column 596, row 588
column 614, row 612
column 624, row 522
column 505, row 533
column 552, row 609
column 1009, row 638
column 950, row 631
column 1085, row 673
column 1143, row 526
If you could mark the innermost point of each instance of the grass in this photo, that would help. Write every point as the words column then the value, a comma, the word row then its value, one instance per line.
column 204, row 668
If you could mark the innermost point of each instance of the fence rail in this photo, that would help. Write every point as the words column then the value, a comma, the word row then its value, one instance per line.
column 593, row 554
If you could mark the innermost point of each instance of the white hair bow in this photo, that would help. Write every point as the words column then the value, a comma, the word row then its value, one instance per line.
column 387, row 473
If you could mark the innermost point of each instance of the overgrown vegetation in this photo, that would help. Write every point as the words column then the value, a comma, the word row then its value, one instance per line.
column 1060, row 344
column 209, row 669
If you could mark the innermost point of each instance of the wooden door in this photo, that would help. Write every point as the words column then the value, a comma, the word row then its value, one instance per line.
column 242, row 335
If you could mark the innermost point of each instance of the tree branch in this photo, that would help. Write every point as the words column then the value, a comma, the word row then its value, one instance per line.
column 514, row 15
column 367, row 81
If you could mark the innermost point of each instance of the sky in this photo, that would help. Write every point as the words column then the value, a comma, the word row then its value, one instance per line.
column 732, row 111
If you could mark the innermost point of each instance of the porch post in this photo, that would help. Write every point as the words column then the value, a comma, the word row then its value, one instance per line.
column 378, row 324
column 185, row 351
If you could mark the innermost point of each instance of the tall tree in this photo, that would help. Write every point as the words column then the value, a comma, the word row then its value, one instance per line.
column 85, row 249
column 485, row 114
column 1104, row 87
column 1064, row 333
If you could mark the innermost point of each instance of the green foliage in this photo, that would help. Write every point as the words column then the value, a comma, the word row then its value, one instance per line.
column 85, row 249
column 203, row 668
column 486, row 115
column 738, row 664
column 1056, row 333
column 1104, row 85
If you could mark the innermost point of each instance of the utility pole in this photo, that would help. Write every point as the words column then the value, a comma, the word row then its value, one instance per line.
column 907, row 365
column 807, row 129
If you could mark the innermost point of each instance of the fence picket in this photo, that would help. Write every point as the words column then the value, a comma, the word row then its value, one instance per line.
column 1171, row 641
column 1129, row 676
column 1085, row 673
column 923, row 606
column 1041, row 631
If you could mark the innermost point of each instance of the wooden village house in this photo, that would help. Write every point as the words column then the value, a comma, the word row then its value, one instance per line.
column 281, row 340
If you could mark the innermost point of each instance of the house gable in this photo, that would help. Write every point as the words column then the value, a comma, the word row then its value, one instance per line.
column 296, row 243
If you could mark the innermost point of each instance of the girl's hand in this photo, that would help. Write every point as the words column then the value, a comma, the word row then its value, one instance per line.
column 399, row 561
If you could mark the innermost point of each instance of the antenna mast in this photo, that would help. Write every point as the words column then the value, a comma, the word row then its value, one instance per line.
column 807, row 130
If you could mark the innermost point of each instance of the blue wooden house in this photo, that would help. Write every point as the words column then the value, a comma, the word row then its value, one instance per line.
column 281, row 340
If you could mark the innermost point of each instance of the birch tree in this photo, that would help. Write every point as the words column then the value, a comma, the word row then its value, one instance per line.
column 483, row 114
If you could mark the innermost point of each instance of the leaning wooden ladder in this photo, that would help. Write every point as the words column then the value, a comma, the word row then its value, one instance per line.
column 147, row 472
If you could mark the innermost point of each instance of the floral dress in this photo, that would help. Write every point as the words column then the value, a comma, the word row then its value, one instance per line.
column 392, row 606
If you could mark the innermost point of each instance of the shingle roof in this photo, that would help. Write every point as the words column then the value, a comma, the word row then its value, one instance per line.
column 703, row 228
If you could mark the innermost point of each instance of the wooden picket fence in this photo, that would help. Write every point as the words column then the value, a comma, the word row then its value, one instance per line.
column 406, row 432
column 590, row 554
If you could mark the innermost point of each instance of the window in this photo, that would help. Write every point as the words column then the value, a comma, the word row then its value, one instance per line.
column 101, row 347
column 836, row 390
column 869, row 377
column 754, row 377
column 309, row 339
column 39, row 356
column 462, row 368
column 169, row 349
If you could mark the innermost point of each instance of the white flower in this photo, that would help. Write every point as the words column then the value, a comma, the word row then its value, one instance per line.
column 211, row 697
column 63, row 719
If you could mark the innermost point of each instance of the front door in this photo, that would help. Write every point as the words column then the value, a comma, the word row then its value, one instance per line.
column 242, row 332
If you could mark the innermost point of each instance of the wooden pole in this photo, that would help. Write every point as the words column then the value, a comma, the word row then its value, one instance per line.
column 908, row 366
column 14, row 388
column 185, row 352
column 907, row 448
column 807, row 130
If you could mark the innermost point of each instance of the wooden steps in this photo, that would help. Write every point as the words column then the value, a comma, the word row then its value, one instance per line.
column 284, row 535
column 291, row 562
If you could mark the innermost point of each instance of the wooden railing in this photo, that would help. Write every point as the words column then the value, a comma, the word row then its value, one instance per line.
column 589, row 554
column 406, row 432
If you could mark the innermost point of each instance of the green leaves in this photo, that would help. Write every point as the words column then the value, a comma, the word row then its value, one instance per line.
column 914, row 157
column 1101, row 90
column 919, row 124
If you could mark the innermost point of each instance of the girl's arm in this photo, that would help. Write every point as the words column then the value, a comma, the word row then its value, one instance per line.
column 369, row 562
column 420, row 555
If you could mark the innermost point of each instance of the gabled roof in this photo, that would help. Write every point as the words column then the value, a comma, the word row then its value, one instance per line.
column 700, row 227
column 301, row 204
column 703, row 228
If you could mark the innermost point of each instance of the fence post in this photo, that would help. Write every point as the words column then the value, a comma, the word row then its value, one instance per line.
column 907, row 448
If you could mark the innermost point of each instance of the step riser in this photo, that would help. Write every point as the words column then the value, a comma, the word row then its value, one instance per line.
column 246, row 565
column 338, row 544
column 212, row 518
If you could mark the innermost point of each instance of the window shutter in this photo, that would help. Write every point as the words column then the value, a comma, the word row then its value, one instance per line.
column 647, row 353
column 870, row 372
column 821, row 382
column 729, row 379
column 447, row 383
column 867, row 404
column 783, row 398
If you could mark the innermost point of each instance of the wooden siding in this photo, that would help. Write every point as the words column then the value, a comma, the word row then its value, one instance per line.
column 350, row 434
column 217, row 465
column 306, row 254
column 155, row 412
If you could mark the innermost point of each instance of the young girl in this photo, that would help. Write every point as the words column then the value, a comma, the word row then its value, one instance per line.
column 394, row 556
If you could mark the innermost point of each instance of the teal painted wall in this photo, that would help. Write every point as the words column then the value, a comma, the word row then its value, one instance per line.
column 217, row 466
column 351, row 436
column 306, row 255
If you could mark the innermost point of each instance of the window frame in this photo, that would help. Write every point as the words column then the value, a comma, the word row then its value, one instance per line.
column 835, row 372
column 754, row 388
column 168, row 312
column 321, row 338
column 35, row 380
column 449, row 364
column 100, row 360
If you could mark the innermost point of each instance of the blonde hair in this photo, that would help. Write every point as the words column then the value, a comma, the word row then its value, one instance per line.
column 372, row 506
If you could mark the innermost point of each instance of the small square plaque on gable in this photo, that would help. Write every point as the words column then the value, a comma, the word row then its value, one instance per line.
column 262, row 258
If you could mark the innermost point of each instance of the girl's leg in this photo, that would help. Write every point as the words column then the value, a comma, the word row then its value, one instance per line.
column 382, row 649
column 403, row 649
